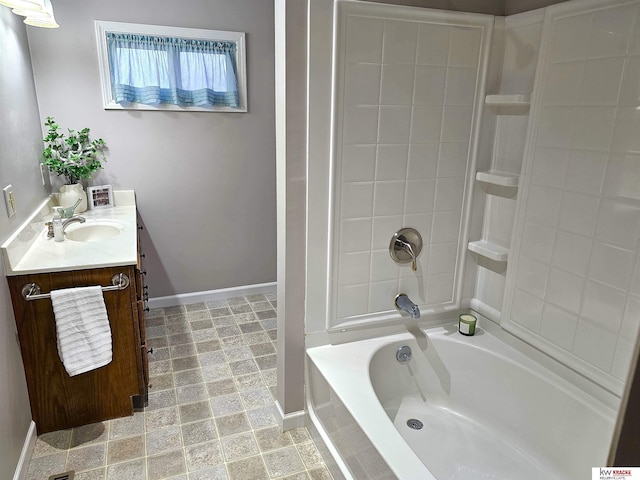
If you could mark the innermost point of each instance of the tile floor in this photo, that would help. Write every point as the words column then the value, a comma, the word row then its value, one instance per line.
column 211, row 409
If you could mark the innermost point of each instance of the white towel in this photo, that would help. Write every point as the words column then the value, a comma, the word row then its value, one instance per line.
column 82, row 325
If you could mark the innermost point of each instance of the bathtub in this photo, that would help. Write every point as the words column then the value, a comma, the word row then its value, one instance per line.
column 487, row 410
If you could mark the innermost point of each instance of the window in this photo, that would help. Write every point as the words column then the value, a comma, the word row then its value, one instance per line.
column 148, row 67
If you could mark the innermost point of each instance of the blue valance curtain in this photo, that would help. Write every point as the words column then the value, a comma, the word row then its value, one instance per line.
column 160, row 70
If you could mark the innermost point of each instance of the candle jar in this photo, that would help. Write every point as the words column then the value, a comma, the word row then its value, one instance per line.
column 467, row 324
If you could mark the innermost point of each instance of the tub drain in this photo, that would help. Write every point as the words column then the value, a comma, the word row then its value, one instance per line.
column 414, row 423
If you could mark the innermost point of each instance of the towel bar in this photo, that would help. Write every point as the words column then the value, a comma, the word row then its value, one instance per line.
column 31, row 291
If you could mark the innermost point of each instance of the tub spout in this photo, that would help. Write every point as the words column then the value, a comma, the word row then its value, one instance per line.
column 404, row 303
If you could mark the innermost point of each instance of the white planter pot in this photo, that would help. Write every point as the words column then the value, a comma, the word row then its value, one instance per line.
column 69, row 195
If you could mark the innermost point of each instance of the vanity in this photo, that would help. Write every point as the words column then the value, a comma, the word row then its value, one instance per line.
column 105, row 251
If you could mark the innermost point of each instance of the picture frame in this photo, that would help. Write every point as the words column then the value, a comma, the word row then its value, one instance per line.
column 100, row 196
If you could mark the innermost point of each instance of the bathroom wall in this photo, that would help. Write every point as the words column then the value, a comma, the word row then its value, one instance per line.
column 20, row 147
column 503, row 135
column 205, row 182
column 573, row 287
column 511, row 7
column 491, row 7
column 291, row 113
column 408, row 88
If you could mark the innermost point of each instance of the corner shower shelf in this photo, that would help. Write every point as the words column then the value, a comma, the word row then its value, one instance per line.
column 489, row 250
column 498, row 178
column 508, row 100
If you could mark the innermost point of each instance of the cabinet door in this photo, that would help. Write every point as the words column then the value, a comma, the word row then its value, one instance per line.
column 59, row 401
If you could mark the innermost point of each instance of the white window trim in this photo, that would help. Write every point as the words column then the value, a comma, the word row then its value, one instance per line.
column 238, row 38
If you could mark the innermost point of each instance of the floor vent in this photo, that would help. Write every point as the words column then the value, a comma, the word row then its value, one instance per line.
column 62, row 476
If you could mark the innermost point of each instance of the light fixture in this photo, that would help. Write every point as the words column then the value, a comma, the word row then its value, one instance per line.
column 31, row 13
column 44, row 19
column 38, row 13
column 32, row 5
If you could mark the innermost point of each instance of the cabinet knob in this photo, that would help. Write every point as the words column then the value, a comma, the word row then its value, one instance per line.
column 143, row 255
column 140, row 227
column 150, row 351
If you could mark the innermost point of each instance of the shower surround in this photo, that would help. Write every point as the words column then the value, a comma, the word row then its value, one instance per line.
column 510, row 144
column 409, row 86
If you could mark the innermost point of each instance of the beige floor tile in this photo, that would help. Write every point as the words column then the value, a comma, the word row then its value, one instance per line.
column 321, row 473
column 272, row 438
column 239, row 446
column 204, row 455
column 198, row 432
column 310, row 455
column 195, row 411
column 87, row 458
column 157, row 419
column 252, row 468
column 166, row 465
column 163, row 440
column 226, row 404
column 125, row 449
column 187, row 377
column 284, row 461
column 161, row 382
column 53, row 442
column 126, row 426
column 42, row 467
column 219, row 472
column 97, row 474
column 233, row 424
column 221, row 387
column 135, row 470
column 87, row 434
column 211, row 414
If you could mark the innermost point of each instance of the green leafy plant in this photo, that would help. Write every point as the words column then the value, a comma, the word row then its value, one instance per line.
column 74, row 156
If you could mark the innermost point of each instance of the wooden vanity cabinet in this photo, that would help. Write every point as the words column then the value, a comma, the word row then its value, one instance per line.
column 59, row 401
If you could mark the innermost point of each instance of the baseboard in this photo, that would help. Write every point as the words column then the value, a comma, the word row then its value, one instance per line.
column 25, row 455
column 210, row 295
column 290, row 421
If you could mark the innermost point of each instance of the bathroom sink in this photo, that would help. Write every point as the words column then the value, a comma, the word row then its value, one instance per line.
column 92, row 231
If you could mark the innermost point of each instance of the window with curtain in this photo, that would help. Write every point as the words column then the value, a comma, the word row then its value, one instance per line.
column 168, row 68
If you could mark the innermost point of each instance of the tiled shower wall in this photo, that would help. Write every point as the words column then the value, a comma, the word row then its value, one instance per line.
column 576, row 282
column 408, row 89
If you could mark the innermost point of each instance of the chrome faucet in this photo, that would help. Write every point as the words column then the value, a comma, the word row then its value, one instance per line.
column 65, row 222
column 404, row 303
column 75, row 219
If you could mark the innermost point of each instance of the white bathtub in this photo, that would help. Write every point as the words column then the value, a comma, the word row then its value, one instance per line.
column 488, row 410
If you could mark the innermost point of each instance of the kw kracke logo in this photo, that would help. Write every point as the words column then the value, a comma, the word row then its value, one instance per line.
column 614, row 473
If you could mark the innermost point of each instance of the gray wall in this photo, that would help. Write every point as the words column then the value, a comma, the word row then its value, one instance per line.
column 20, row 147
column 491, row 7
column 512, row 7
column 205, row 182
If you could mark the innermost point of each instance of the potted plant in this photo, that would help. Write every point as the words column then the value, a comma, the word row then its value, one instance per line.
column 75, row 157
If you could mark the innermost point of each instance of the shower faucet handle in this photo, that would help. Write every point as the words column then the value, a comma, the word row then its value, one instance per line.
column 405, row 246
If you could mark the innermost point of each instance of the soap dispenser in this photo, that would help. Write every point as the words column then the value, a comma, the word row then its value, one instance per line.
column 58, row 233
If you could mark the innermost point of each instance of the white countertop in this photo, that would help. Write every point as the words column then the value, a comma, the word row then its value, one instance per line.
column 29, row 250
